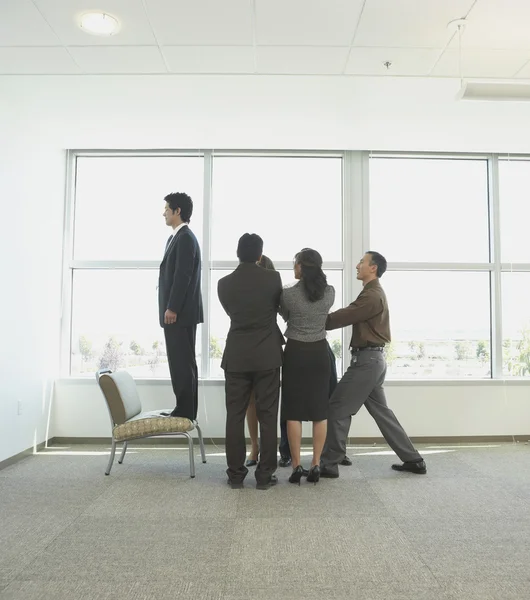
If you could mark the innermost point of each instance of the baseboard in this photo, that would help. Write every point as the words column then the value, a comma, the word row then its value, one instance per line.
column 21, row 455
column 468, row 439
column 352, row 441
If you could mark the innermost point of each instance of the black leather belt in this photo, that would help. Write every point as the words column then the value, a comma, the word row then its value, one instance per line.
column 373, row 348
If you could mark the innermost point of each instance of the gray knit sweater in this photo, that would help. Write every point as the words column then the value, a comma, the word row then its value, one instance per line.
column 306, row 321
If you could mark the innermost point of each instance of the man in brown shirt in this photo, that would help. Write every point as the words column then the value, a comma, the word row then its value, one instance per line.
column 363, row 381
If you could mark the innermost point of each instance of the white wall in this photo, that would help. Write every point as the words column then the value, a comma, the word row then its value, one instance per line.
column 260, row 112
column 41, row 116
column 31, row 199
column 482, row 409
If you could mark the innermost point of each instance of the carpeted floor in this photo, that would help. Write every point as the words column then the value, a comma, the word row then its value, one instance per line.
column 148, row 531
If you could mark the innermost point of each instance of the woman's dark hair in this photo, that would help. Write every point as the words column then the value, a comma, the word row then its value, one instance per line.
column 314, row 280
column 266, row 263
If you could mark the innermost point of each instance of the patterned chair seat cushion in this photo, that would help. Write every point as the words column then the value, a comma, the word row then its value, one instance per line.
column 151, row 423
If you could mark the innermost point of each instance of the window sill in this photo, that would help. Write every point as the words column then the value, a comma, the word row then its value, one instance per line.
column 389, row 383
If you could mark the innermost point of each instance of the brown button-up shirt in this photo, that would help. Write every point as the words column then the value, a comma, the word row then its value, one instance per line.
column 368, row 315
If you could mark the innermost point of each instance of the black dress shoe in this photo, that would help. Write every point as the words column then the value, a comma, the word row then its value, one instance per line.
column 285, row 461
column 314, row 474
column 251, row 463
column 235, row 485
column 418, row 467
column 326, row 473
column 265, row 486
column 175, row 413
column 346, row 462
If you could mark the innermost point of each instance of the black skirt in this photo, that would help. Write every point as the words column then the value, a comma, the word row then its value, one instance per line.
column 305, row 381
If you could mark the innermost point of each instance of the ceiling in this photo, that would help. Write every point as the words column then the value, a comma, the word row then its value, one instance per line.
column 286, row 37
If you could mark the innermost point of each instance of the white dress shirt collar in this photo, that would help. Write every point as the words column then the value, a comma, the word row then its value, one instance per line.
column 177, row 229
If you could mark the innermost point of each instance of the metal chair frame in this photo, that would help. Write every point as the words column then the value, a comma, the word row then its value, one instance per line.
column 124, row 448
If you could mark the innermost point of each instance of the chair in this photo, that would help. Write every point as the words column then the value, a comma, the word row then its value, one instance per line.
column 128, row 422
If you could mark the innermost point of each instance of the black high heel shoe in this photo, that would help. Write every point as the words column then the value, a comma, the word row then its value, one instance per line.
column 296, row 475
column 314, row 474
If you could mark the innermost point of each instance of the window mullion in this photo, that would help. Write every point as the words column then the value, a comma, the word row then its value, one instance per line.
column 206, row 264
column 496, row 276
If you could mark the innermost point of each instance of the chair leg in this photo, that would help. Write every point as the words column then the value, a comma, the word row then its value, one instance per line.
column 122, row 456
column 192, row 457
column 201, row 442
column 111, row 460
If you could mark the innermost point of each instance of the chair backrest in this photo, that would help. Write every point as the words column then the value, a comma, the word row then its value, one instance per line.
column 121, row 395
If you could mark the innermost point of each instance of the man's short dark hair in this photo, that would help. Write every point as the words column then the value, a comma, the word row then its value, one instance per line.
column 379, row 260
column 249, row 248
column 182, row 201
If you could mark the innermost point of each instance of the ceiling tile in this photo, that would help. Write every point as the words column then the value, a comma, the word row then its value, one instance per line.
column 409, row 23
column 201, row 22
column 210, row 59
column 481, row 63
column 498, row 24
column 64, row 15
column 306, row 22
column 36, row 61
column 301, row 59
column 21, row 24
column 414, row 62
column 119, row 59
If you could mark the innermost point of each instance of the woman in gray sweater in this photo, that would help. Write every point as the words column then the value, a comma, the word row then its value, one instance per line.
column 306, row 369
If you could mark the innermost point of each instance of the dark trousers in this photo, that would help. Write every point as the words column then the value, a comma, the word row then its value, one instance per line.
column 180, row 347
column 238, row 386
column 285, row 451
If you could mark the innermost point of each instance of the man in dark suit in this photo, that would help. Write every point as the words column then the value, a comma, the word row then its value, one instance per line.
column 252, row 359
column 180, row 303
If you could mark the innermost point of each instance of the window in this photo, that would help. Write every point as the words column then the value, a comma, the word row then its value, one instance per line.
column 291, row 202
column 430, row 218
column 118, row 243
column 440, row 324
column 514, row 183
column 115, row 323
column 220, row 322
column 119, row 202
column 118, row 239
column 439, row 221
column 429, row 210
column 516, row 324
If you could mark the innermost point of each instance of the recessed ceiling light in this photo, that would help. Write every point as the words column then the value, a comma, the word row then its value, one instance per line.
column 98, row 23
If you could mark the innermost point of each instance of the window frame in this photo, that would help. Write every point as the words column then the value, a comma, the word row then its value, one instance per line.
column 70, row 265
column 355, row 240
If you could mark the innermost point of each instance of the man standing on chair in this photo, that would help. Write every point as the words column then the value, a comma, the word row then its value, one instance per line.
column 180, row 303
column 252, row 359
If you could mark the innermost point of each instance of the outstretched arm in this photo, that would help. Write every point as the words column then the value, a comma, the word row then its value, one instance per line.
column 364, row 308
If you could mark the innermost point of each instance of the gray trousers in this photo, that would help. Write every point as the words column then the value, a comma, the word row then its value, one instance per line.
column 363, row 384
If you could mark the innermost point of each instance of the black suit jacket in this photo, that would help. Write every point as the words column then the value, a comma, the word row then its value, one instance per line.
column 179, row 281
column 251, row 296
